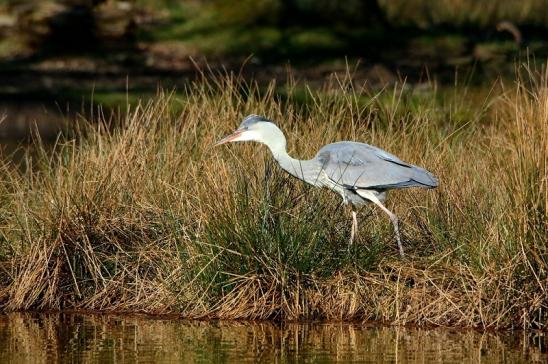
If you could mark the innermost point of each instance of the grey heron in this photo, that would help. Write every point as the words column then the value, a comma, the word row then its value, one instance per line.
column 359, row 172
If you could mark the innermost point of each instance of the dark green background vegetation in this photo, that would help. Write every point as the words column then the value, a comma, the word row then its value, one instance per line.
column 59, row 55
column 140, row 36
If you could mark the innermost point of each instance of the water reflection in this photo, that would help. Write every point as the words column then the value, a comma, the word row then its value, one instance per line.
column 28, row 337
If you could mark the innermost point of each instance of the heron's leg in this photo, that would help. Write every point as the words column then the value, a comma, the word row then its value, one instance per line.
column 394, row 220
column 354, row 230
column 371, row 196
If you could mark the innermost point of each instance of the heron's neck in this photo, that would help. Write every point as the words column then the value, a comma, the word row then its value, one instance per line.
column 278, row 146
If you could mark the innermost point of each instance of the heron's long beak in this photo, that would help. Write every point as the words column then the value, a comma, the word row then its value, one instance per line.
column 229, row 138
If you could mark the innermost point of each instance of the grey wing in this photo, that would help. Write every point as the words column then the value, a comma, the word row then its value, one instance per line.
column 359, row 165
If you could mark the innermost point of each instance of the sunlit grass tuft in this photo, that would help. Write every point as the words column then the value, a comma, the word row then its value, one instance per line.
column 140, row 213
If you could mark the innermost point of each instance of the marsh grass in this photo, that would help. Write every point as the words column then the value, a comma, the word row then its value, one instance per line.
column 139, row 213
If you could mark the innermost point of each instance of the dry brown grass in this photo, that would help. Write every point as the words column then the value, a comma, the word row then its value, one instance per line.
column 139, row 214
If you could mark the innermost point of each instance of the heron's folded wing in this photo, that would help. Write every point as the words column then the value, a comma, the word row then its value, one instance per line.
column 359, row 165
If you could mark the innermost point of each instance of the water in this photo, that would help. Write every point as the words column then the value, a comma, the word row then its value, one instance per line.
column 46, row 338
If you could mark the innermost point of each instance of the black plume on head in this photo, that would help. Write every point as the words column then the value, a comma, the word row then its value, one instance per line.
column 253, row 119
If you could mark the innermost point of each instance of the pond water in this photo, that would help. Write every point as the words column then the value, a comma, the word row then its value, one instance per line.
column 70, row 337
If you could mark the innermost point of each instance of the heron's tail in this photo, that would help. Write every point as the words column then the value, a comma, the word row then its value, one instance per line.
column 423, row 178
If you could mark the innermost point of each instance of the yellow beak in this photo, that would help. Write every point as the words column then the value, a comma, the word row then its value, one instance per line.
column 229, row 138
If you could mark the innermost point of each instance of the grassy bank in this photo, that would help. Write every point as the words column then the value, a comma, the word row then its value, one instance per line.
column 140, row 214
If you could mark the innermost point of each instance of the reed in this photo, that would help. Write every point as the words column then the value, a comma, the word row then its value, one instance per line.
column 138, row 213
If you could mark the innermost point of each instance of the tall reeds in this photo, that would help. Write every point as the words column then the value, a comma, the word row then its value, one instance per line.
column 139, row 213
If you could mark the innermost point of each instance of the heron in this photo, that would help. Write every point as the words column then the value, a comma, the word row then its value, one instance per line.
column 359, row 172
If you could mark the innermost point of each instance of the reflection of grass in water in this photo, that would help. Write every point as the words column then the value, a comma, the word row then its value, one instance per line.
column 139, row 214
column 114, row 338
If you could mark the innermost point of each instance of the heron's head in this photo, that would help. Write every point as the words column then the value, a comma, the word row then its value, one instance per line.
column 255, row 128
